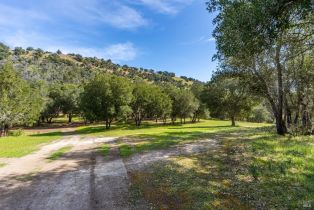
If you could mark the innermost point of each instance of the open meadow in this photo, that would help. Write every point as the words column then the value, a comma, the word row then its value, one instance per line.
column 206, row 165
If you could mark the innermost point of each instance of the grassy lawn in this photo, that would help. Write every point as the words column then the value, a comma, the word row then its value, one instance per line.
column 150, row 128
column 253, row 168
column 59, row 153
column 24, row 145
column 151, row 136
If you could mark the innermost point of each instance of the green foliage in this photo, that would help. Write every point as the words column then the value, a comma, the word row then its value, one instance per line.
column 260, row 114
column 16, row 100
column 19, row 51
column 74, row 68
column 184, row 103
column 18, row 132
column 106, row 98
column 4, row 51
column 261, row 40
column 245, row 28
column 226, row 96
column 149, row 101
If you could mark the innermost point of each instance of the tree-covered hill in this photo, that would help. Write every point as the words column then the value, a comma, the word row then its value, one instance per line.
column 36, row 64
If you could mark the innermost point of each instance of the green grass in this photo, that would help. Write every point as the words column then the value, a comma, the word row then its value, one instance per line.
column 252, row 168
column 150, row 128
column 23, row 145
column 153, row 136
column 2, row 165
column 104, row 149
column 126, row 150
column 59, row 153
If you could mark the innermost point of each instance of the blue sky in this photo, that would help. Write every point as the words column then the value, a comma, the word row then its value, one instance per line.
column 166, row 35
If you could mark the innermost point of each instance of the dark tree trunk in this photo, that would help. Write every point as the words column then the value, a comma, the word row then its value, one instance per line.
column 280, row 126
column 233, row 121
column 107, row 124
column 70, row 117
column 280, row 123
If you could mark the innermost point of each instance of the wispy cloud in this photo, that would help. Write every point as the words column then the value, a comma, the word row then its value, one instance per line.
column 202, row 39
column 54, row 24
column 166, row 6
column 106, row 12
column 116, row 52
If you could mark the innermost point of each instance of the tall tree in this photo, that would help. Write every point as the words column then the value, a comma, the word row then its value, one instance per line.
column 255, row 35
column 19, row 103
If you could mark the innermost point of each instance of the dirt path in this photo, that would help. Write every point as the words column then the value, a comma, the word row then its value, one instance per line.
column 81, row 179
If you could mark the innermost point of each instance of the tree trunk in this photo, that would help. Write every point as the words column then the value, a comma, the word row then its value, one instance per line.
column 107, row 124
column 233, row 121
column 70, row 117
column 280, row 126
column 280, row 123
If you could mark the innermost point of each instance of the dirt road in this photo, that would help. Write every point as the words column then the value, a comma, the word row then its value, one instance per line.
column 81, row 179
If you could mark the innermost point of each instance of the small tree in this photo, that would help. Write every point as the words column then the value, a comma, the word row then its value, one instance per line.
column 70, row 100
column 186, row 104
column 54, row 103
column 141, row 101
column 227, row 96
column 106, row 98
column 202, row 111
column 151, row 102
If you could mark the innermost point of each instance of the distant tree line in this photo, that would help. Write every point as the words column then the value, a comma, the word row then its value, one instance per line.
column 37, row 86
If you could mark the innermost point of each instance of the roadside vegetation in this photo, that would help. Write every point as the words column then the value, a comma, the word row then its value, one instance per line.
column 18, row 146
column 104, row 150
column 59, row 153
column 251, row 168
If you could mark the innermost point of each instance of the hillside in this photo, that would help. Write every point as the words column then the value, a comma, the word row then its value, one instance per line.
column 35, row 64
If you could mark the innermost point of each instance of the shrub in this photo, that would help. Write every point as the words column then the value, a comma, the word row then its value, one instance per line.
column 18, row 132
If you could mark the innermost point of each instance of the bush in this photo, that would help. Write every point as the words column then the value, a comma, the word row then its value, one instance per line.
column 18, row 132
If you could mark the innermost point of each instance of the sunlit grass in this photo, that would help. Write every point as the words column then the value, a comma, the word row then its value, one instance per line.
column 152, row 128
column 22, row 145
column 59, row 153
column 252, row 168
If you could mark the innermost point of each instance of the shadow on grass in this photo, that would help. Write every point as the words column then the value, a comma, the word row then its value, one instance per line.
column 48, row 134
column 261, row 172
column 124, row 127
